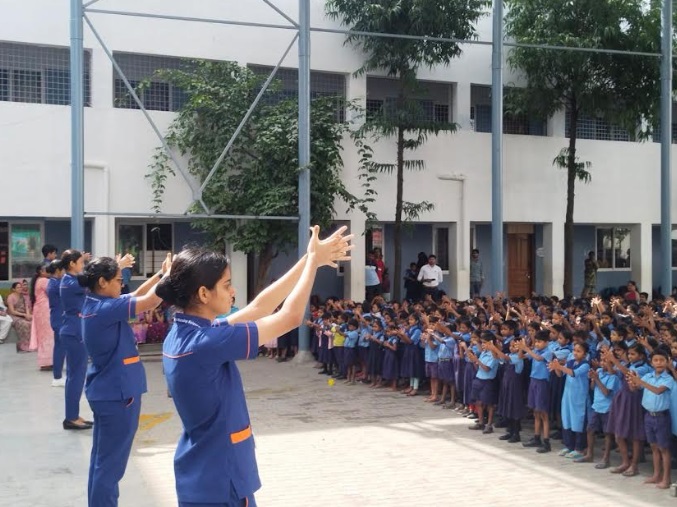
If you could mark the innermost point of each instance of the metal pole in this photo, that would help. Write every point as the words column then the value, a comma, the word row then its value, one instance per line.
column 666, row 149
column 497, row 150
column 77, row 129
column 304, row 145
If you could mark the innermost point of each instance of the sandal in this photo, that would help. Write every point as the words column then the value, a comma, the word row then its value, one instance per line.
column 602, row 465
column 630, row 473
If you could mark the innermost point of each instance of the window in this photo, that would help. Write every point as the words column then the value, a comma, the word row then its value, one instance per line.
column 322, row 84
column 613, row 248
column 148, row 243
column 441, row 247
column 431, row 101
column 374, row 238
column 513, row 123
column 25, row 253
column 596, row 128
column 158, row 95
column 38, row 74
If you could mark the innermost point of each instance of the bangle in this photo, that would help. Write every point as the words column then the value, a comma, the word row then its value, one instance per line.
column 159, row 275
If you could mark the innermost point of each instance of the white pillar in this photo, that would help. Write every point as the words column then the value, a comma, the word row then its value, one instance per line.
column 238, row 270
column 97, row 199
column 353, row 273
column 557, row 124
column 553, row 260
column 640, row 257
column 459, row 264
column 101, row 71
column 461, row 110
column 356, row 90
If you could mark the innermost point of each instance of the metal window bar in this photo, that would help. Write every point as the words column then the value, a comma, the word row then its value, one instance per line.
column 322, row 84
column 595, row 128
column 513, row 123
column 36, row 74
column 657, row 128
column 158, row 95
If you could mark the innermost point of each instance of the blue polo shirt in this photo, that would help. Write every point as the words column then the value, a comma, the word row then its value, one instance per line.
column 414, row 334
column 600, row 403
column 55, row 308
column 487, row 359
column 72, row 300
column 517, row 361
column 364, row 331
column 115, row 372
column 447, row 349
column 431, row 353
column 653, row 402
column 351, row 339
column 215, row 453
column 539, row 369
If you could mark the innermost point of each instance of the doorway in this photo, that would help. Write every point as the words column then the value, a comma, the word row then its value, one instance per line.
column 521, row 262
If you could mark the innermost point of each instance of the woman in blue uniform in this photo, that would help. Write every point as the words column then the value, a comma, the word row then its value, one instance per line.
column 72, row 298
column 214, row 464
column 115, row 378
column 55, row 272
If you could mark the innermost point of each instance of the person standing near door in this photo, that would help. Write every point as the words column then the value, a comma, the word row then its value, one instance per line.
column 590, row 276
column 430, row 276
column 476, row 274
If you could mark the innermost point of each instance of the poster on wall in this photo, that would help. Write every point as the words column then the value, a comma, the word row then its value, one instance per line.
column 26, row 253
column 4, row 251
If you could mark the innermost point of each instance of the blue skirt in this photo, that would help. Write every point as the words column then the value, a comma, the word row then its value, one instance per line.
column 349, row 356
column 468, row 377
column 626, row 415
column 483, row 391
column 539, row 395
column 390, row 366
column 511, row 399
column 445, row 371
column 459, row 372
column 413, row 365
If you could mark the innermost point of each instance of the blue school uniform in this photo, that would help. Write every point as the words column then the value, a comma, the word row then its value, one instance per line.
column 115, row 382
column 350, row 348
column 538, row 397
column 412, row 361
column 390, row 366
column 484, row 384
column 375, row 358
column 55, row 321
column 72, row 299
column 363, row 345
column 575, row 397
column 445, row 357
column 511, row 399
column 657, row 420
column 626, row 416
column 215, row 460
column 600, row 403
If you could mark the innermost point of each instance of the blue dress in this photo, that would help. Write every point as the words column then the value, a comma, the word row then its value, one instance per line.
column 390, row 366
column 575, row 397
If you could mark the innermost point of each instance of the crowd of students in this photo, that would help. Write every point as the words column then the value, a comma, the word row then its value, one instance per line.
column 581, row 368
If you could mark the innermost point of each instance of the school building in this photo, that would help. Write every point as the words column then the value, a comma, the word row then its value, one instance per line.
column 616, row 214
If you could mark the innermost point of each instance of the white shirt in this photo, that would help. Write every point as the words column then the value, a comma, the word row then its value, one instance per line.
column 429, row 272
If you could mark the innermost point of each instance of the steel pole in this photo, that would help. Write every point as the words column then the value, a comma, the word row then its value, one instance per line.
column 666, row 149
column 77, row 128
column 497, row 272
column 304, row 145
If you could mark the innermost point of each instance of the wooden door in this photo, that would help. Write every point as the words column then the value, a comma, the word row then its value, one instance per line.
column 520, row 264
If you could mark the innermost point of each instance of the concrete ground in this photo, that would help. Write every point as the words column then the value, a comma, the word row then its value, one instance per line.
column 317, row 445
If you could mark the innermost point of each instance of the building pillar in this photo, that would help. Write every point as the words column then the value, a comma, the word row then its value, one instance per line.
column 238, row 270
column 640, row 257
column 553, row 260
column 353, row 270
column 459, row 263
column 356, row 92
column 461, row 107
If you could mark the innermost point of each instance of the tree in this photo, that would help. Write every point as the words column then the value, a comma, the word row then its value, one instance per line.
column 404, row 120
column 260, row 175
column 608, row 86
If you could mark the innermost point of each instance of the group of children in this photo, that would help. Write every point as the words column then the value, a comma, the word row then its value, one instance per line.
column 581, row 368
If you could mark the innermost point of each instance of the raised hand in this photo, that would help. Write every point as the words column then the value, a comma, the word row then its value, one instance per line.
column 167, row 263
column 331, row 250
column 126, row 261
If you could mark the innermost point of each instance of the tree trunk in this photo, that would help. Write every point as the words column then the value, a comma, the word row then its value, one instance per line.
column 263, row 262
column 571, row 195
column 396, row 275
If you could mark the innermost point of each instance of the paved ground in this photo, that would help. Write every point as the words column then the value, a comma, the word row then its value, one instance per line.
column 316, row 445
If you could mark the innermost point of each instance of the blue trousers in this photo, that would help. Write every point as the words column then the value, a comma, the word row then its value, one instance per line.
column 58, row 356
column 246, row 502
column 76, row 370
column 115, row 423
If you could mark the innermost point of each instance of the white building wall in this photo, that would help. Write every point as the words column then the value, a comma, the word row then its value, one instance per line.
column 35, row 140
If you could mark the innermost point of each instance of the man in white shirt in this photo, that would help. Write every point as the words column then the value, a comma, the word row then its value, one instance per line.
column 5, row 321
column 430, row 275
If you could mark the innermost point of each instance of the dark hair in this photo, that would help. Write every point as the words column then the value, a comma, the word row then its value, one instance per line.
column 488, row 336
column 54, row 266
column 432, row 256
column 193, row 268
column 15, row 285
column 48, row 249
column 661, row 350
column 543, row 336
column 69, row 256
column 101, row 267
column 34, row 279
column 354, row 323
column 584, row 346
column 639, row 349
column 475, row 250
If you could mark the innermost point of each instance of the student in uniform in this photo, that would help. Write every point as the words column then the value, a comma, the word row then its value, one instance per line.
column 657, row 387
column 215, row 463
column 484, row 393
column 72, row 297
column 511, row 402
column 55, row 272
column 115, row 378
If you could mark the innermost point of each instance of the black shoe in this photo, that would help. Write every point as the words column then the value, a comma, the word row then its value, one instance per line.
column 545, row 447
column 556, row 435
column 70, row 425
column 507, row 436
column 477, row 426
column 323, row 372
column 514, row 439
column 532, row 442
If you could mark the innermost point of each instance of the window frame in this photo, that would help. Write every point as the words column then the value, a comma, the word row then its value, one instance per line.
column 10, row 254
column 613, row 249
column 145, row 248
